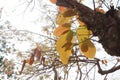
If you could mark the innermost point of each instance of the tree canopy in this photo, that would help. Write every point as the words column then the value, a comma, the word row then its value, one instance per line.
column 67, row 47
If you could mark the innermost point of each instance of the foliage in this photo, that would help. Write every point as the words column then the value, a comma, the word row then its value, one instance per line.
column 65, row 49
column 65, row 41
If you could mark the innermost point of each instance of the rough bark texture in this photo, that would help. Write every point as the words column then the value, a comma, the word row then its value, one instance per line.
column 105, row 26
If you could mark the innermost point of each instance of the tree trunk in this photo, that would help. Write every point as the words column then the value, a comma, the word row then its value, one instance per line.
column 104, row 26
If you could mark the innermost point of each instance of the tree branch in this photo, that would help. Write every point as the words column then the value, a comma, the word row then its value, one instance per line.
column 100, row 24
column 107, row 71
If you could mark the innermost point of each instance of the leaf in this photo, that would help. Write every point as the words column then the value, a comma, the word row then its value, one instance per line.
column 118, row 59
column 88, row 48
column 100, row 10
column 85, row 45
column 42, row 60
column 69, row 13
column 62, row 44
column 53, row 1
column 104, row 61
column 62, row 29
column 62, row 20
column 23, row 65
column 83, row 33
column 62, row 9
column 80, row 22
column 38, row 55
column 31, row 60
column 36, row 51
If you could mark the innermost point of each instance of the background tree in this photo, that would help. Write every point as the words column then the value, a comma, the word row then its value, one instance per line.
column 68, row 47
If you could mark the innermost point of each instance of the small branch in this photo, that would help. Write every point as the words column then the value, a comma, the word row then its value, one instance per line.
column 55, row 73
column 94, row 4
column 89, row 71
column 80, row 71
column 107, row 71
column 73, row 59
column 32, row 33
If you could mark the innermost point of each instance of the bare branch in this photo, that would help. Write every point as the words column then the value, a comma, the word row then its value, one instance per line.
column 115, row 68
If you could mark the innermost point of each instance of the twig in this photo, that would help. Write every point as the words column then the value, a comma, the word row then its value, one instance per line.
column 107, row 71
column 89, row 71
column 105, row 3
column 94, row 4
column 55, row 73
column 34, row 33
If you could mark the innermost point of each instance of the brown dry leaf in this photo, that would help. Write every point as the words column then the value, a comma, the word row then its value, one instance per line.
column 31, row 60
column 37, row 53
column 23, row 65
column 69, row 13
column 62, row 9
column 100, row 10
column 118, row 59
column 104, row 61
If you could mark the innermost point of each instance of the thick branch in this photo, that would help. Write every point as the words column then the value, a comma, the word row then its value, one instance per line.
column 105, row 27
column 95, row 61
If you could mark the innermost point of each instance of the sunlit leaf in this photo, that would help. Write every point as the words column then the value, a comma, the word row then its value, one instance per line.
column 64, row 46
column 83, row 33
column 62, row 20
column 62, row 29
column 88, row 48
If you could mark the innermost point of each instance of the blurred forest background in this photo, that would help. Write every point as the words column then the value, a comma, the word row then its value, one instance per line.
column 31, row 42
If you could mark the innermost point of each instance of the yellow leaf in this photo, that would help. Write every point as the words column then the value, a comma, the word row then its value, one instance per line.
column 62, row 20
column 64, row 46
column 83, row 33
column 65, row 54
column 88, row 48
column 62, row 29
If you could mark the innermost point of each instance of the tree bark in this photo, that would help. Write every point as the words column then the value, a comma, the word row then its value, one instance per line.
column 106, row 27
